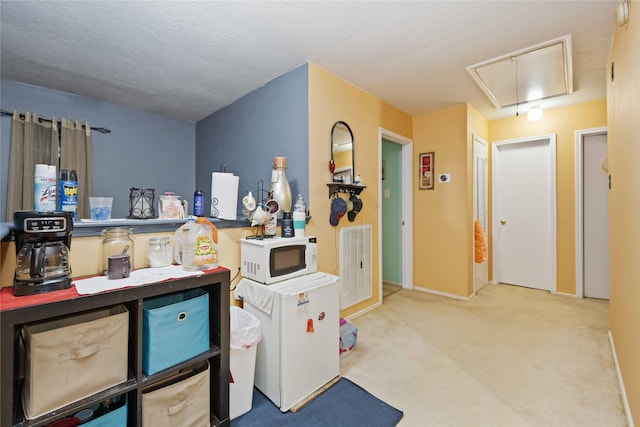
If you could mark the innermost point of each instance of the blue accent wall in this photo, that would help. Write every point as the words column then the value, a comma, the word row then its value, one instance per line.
column 245, row 136
column 143, row 149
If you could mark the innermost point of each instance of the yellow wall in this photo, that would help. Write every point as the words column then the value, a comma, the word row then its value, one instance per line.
column 443, row 217
column 441, row 222
column 332, row 99
column 624, row 204
column 563, row 122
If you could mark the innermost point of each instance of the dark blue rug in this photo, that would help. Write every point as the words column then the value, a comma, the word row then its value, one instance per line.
column 344, row 404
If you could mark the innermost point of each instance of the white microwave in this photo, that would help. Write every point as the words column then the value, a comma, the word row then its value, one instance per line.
column 276, row 259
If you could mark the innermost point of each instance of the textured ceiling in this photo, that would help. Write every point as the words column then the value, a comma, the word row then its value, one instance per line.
column 189, row 59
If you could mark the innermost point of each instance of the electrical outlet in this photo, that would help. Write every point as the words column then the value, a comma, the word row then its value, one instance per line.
column 444, row 178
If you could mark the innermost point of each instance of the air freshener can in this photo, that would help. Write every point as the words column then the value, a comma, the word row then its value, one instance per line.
column 44, row 196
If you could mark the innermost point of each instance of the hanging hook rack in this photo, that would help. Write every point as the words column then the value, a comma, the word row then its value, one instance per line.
column 336, row 187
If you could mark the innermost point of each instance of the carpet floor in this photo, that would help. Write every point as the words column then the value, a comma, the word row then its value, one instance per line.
column 510, row 356
column 344, row 404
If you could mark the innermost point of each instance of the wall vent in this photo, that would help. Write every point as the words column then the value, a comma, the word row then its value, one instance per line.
column 355, row 265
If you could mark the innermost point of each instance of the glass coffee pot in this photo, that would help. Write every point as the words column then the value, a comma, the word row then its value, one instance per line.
column 42, row 260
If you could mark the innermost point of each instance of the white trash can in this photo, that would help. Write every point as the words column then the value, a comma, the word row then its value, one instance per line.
column 245, row 335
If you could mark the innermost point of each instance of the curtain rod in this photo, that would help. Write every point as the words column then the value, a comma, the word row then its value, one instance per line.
column 41, row 119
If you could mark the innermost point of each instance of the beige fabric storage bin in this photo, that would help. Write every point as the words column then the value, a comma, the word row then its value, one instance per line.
column 74, row 357
column 180, row 400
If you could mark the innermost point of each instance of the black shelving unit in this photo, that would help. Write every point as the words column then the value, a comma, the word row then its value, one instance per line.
column 215, row 283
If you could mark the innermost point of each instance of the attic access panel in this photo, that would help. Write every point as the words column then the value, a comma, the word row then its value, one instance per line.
column 530, row 74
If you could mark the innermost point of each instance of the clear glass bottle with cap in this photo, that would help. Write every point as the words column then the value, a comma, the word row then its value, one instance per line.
column 117, row 240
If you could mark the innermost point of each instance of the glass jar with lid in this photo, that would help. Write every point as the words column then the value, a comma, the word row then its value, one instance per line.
column 159, row 252
column 117, row 240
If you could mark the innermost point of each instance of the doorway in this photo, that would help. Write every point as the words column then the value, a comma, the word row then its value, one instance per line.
column 395, row 214
column 524, row 212
column 391, row 217
column 480, row 206
column 592, row 214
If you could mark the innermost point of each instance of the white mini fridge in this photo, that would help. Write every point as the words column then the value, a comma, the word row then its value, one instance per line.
column 300, row 346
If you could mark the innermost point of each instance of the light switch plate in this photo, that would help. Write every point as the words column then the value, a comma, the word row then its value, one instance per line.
column 444, row 178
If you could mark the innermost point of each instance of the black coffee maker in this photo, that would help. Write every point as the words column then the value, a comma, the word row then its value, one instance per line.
column 43, row 240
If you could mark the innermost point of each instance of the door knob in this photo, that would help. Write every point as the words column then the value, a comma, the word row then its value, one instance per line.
column 503, row 221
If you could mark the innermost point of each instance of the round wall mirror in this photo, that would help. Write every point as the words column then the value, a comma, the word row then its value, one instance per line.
column 341, row 164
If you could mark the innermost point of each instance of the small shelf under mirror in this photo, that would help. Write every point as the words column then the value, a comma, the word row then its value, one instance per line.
column 338, row 187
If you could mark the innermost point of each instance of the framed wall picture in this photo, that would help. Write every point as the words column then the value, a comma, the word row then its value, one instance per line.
column 426, row 170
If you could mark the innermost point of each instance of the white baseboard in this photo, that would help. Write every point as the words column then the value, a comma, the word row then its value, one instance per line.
column 442, row 294
column 623, row 393
column 389, row 282
column 366, row 310
column 564, row 294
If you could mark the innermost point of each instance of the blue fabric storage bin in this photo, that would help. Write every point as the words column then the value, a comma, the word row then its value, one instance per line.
column 115, row 418
column 175, row 329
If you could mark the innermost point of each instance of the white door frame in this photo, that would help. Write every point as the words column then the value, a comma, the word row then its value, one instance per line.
column 407, row 206
column 495, row 218
column 580, row 136
column 474, row 266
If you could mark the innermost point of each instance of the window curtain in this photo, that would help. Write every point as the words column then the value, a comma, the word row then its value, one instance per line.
column 76, row 152
column 33, row 141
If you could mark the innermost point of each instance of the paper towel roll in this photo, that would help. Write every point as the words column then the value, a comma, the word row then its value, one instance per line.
column 224, row 195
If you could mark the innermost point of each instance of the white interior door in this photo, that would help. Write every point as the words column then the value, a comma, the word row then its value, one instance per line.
column 480, row 204
column 595, row 217
column 524, row 212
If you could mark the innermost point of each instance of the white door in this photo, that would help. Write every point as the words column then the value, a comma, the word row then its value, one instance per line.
column 524, row 212
column 480, row 206
column 595, row 217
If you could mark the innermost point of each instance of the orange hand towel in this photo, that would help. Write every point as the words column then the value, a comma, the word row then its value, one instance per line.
column 480, row 243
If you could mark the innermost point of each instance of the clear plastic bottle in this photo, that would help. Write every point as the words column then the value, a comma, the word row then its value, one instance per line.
column 300, row 205
column 299, row 217
column 180, row 237
column 200, row 250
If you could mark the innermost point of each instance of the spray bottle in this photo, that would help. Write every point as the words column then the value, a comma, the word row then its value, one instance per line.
column 44, row 196
column 68, row 192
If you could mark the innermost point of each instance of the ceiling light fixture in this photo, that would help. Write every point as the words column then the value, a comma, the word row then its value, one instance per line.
column 535, row 114
column 622, row 15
